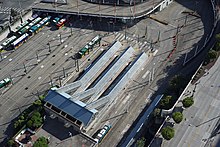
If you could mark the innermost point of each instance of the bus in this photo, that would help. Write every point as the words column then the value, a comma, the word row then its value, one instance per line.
column 6, row 45
column 5, row 82
column 26, row 29
column 40, row 25
column 57, row 19
column 18, row 42
column 62, row 22
column 104, row 131
column 25, row 23
column 94, row 41
column 83, row 51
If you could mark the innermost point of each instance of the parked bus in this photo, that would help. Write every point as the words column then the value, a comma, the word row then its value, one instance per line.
column 57, row 19
column 26, row 29
column 18, row 42
column 5, row 82
column 94, row 41
column 104, row 131
column 6, row 45
column 36, row 28
column 62, row 22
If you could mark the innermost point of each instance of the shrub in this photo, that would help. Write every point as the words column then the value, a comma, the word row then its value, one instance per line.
column 187, row 102
column 168, row 132
column 141, row 142
column 177, row 117
column 41, row 142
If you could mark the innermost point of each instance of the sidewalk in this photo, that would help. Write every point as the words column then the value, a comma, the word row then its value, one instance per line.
column 4, row 34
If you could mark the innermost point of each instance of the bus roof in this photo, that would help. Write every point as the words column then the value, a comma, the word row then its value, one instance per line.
column 19, row 39
column 9, row 40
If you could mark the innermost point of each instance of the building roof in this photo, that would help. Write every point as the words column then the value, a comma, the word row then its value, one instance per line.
column 76, row 109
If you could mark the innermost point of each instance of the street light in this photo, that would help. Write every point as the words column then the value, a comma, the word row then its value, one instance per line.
column 49, row 47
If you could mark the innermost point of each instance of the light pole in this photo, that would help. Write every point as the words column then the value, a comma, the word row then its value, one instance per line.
column 49, row 47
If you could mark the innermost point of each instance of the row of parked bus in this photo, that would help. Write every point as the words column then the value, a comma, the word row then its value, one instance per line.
column 89, row 46
column 61, row 20
column 24, row 31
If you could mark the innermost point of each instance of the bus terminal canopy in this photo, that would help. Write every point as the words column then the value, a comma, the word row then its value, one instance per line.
column 75, row 109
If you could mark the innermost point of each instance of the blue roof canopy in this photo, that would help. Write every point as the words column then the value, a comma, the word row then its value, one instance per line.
column 76, row 109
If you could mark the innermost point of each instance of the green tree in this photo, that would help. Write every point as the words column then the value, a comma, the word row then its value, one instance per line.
column 165, row 102
column 11, row 143
column 217, row 46
column 168, row 133
column 38, row 103
column 41, row 142
column 157, row 112
column 30, row 124
column 141, row 142
column 187, row 102
column 217, row 37
column 177, row 117
column 19, row 123
column 36, row 119
column 177, row 83
column 212, row 54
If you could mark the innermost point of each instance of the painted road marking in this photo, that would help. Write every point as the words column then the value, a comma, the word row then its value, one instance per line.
column 145, row 75
column 126, row 98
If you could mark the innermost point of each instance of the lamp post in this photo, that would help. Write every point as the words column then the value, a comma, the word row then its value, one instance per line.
column 49, row 47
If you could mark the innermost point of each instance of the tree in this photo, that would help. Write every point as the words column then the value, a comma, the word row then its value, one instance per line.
column 157, row 112
column 141, row 142
column 11, row 143
column 217, row 37
column 212, row 54
column 38, row 103
column 168, row 133
column 165, row 102
column 176, row 83
column 187, row 102
column 41, row 142
column 177, row 117
column 30, row 124
column 36, row 119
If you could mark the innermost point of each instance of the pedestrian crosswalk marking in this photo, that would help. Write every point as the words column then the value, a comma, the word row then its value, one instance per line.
column 132, row 42
column 7, row 10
